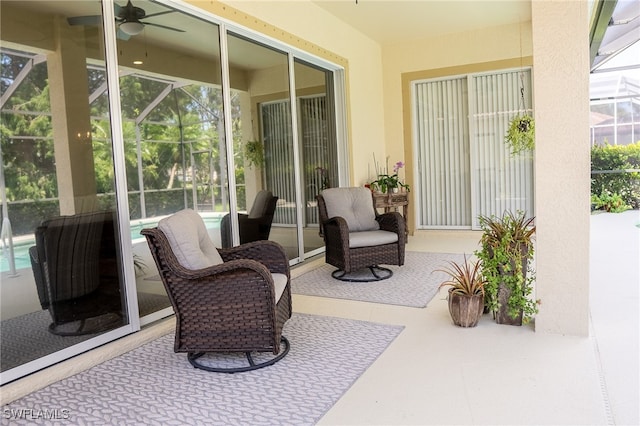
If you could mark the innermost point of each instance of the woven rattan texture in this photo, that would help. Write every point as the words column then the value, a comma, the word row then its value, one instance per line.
column 336, row 237
column 227, row 307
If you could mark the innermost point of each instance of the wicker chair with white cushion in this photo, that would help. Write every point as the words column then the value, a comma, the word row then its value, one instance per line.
column 225, row 300
column 357, row 237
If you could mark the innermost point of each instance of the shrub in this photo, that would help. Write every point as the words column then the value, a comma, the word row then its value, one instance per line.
column 609, row 202
column 626, row 185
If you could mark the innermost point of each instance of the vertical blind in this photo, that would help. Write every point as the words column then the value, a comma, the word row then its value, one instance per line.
column 319, row 155
column 465, row 167
column 442, row 132
column 279, row 167
column 502, row 181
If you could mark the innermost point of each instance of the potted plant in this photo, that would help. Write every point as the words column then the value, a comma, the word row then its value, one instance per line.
column 385, row 182
column 466, row 295
column 506, row 253
column 520, row 135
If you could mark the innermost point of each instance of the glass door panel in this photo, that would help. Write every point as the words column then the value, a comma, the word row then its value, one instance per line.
column 263, row 137
column 317, row 142
column 173, row 125
column 62, row 274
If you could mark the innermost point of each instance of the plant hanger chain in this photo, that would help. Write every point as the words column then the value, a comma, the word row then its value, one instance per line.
column 524, row 105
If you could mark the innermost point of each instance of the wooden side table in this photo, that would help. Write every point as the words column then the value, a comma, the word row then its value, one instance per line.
column 391, row 202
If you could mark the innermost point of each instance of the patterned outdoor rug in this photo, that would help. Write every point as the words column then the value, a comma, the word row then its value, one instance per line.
column 413, row 284
column 26, row 338
column 153, row 385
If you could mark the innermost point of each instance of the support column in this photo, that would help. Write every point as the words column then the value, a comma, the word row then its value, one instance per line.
column 560, row 35
column 69, row 94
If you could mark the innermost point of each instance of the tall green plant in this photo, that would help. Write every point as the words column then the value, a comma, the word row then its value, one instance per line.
column 506, row 256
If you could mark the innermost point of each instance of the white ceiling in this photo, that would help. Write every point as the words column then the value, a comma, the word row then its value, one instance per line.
column 393, row 21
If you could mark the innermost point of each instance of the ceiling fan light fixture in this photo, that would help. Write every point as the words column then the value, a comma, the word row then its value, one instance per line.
column 132, row 28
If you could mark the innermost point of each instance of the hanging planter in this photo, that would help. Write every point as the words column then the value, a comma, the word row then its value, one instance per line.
column 521, row 133
column 254, row 153
column 520, row 136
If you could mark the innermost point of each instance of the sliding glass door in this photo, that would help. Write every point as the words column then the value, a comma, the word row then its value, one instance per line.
column 318, row 146
column 465, row 168
column 63, row 272
column 108, row 128
column 265, row 126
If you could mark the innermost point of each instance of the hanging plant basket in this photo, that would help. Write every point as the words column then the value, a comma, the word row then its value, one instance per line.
column 520, row 136
column 254, row 153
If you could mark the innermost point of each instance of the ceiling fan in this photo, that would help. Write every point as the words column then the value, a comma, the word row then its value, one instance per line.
column 128, row 19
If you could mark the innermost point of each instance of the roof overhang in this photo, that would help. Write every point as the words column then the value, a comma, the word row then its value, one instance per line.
column 615, row 27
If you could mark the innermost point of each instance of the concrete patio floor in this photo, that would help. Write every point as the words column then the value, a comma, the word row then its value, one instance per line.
column 436, row 373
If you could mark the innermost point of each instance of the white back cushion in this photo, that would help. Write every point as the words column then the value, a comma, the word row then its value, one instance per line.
column 189, row 240
column 355, row 205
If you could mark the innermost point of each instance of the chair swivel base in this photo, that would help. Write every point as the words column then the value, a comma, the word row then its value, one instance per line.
column 377, row 273
column 284, row 350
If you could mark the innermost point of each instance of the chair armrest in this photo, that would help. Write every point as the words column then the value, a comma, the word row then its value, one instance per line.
column 230, row 277
column 268, row 253
column 393, row 222
column 249, row 228
column 336, row 234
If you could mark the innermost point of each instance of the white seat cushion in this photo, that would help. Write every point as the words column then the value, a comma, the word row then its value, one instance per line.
column 354, row 205
column 371, row 238
column 189, row 240
column 279, row 284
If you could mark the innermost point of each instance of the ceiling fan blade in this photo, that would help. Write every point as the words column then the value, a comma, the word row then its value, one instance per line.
column 91, row 19
column 85, row 20
column 163, row 26
column 159, row 13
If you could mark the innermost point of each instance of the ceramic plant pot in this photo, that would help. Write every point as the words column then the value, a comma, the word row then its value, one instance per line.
column 465, row 310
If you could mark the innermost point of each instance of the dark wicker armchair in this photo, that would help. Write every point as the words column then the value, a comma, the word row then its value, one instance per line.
column 357, row 237
column 238, row 303
column 254, row 226
column 75, row 269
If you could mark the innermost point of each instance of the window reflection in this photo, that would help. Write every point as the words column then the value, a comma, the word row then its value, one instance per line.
column 62, row 261
column 62, row 279
column 173, row 129
column 263, row 125
column 319, row 156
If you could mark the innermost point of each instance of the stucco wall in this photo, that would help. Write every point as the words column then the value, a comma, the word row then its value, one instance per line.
column 562, row 165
